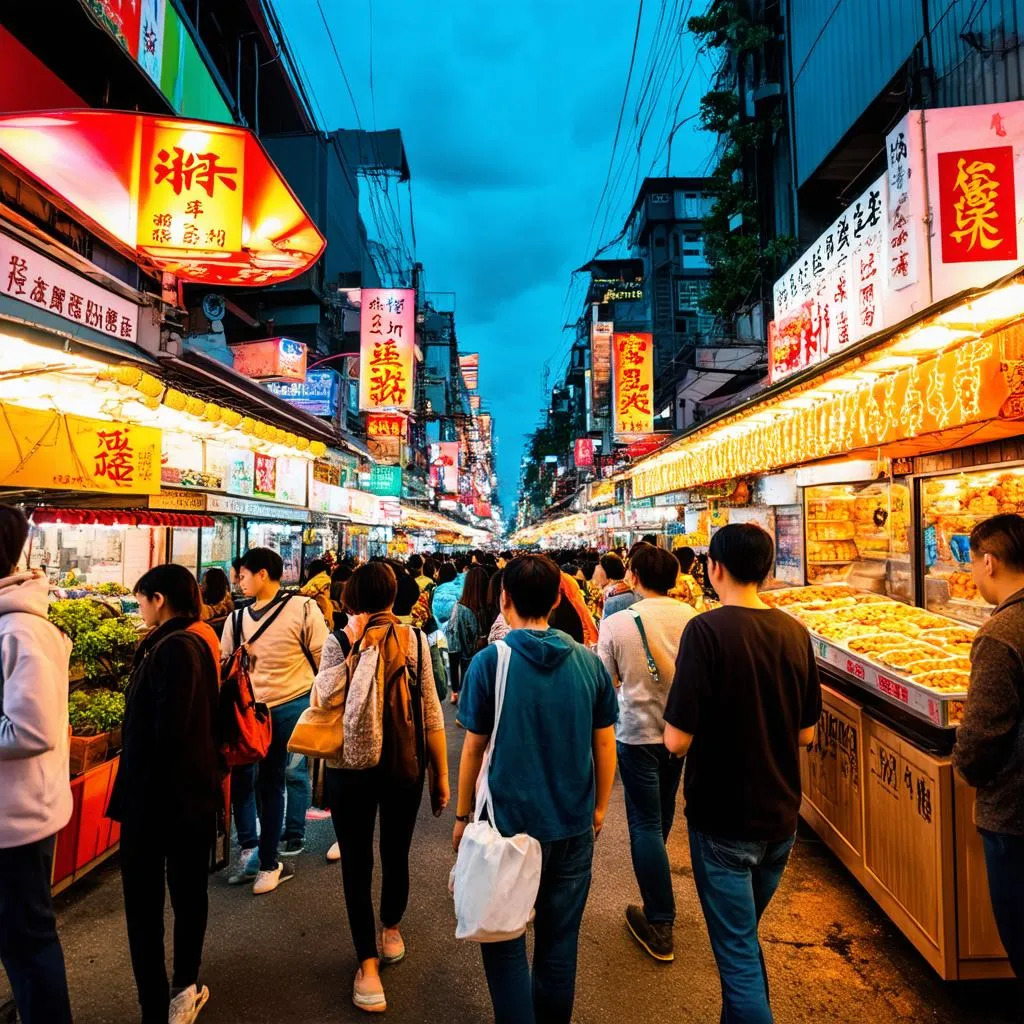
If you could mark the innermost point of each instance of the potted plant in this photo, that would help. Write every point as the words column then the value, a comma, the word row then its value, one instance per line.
column 103, row 642
column 92, row 715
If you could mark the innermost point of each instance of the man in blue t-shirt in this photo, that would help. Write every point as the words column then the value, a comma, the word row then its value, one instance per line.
column 551, row 774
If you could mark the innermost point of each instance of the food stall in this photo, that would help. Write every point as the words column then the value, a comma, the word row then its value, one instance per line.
column 871, row 469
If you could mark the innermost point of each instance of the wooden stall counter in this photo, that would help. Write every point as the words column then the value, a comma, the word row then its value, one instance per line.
column 902, row 823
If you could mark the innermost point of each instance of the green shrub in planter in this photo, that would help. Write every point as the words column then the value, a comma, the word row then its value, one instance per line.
column 92, row 712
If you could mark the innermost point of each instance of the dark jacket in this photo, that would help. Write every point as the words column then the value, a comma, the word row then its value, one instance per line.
column 989, row 750
column 169, row 775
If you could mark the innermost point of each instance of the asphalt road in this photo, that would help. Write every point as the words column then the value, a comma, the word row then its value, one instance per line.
column 287, row 958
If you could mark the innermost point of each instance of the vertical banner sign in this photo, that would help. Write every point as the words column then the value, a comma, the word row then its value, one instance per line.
column 387, row 347
column 633, row 371
column 385, row 436
column 601, row 332
column 444, row 467
column 975, row 190
column 191, row 187
column 265, row 476
column 151, row 38
column 469, row 364
column 905, row 181
column 583, row 453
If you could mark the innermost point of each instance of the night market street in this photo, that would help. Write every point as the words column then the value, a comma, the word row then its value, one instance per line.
column 832, row 955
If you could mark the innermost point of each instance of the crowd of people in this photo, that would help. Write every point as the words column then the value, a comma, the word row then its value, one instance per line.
column 664, row 667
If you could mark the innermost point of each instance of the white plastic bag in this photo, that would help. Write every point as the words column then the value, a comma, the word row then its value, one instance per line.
column 363, row 724
column 495, row 879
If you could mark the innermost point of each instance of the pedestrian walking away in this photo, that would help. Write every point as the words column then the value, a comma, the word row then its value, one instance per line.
column 167, row 794
column 35, row 794
column 285, row 633
column 744, row 699
column 468, row 625
column 550, row 774
column 989, row 751
column 357, row 795
column 638, row 647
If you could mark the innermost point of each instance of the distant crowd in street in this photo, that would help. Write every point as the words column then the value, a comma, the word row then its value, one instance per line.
column 564, row 667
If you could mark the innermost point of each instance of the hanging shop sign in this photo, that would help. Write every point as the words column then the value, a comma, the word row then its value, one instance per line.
column 602, row 492
column 387, row 348
column 327, row 473
column 601, row 332
column 633, row 372
column 44, row 284
column 385, row 436
column 241, row 472
column 385, row 481
column 317, row 394
column 444, row 467
column 178, row 501
column 264, row 476
column 469, row 364
column 194, row 198
column 976, row 189
column 482, row 509
column 271, row 359
column 56, row 451
column 583, row 453
column 291, row 481
column 254, row 509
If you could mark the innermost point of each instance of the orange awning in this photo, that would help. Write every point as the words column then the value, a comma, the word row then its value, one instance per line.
column 201, row 200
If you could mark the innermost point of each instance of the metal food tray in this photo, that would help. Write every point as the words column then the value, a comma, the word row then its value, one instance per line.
column 940, row 709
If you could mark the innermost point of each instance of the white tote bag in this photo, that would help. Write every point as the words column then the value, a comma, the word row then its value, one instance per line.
column 495, row 878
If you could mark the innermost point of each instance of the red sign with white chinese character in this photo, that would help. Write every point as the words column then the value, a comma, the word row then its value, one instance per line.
column 633, row 373
column 265, row 476
column 387, row 348
column 583, row 454
column 977, row 205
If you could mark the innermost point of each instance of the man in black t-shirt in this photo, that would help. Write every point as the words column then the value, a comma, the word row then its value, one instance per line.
column 745, row 698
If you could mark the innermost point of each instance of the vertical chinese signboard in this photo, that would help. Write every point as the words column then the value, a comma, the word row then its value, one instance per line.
column 601, row 332
column 633, row 373
column 386, row 350
column 385, row 436
column 975, row 159
column 444, row 467
column 191, row 186
column 46, row 449
column 583, row 453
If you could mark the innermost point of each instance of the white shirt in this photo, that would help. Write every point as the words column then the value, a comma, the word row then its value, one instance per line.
column 619, row 646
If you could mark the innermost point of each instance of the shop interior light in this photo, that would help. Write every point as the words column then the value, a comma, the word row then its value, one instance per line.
column 887, row 363
column 933, row 338
column 997, row 307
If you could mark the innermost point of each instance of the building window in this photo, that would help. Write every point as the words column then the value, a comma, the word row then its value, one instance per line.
column 675, row 245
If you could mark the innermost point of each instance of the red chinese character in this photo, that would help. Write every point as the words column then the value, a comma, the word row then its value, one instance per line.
column 126, row 327
column 193, row 208
column 17, row 277
column 901, row 265
column 191, row 235
column 216, row 237
column 387, row 388
column 202, row 168
column 57, row 296
column 385, row 353
column 93, row 314
column 75, row 306
column 38, row 293
column 114, row 457
column 110, row 325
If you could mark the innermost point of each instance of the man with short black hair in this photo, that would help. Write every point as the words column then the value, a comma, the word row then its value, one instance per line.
column 989, row 751
column 610, row 575
column 745, row 698
column 551, row 772
column 285, row 633
column 638, row 648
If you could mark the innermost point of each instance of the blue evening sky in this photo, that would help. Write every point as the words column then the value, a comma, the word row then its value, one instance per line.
column 508, row 112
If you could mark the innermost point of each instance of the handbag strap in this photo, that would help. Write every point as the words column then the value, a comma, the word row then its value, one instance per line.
column 652, row 665
column 483, row 796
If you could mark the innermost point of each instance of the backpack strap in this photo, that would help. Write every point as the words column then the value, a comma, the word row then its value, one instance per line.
column 282, row 600
column 652, row 665
column 417, row 701
column 344, row 643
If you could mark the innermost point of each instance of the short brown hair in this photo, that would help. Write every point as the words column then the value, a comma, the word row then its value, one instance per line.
column 532, row 583
column 1003, row 537
column 372, row 588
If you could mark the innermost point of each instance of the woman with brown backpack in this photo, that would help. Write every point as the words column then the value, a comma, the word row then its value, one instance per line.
column 400, row 733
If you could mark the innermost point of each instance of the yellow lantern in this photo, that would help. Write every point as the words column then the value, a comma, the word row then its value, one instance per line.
column 195, row 406
column 302, row 443
column 317, row 448
column 149, row 386
column 289, row 439
column 247, row 425
column 230, row 418
column 212, row 413
column 174, row 399
column 128, row 375
column 259, row 430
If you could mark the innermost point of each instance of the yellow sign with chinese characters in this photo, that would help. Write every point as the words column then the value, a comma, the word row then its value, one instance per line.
column 191, row 188
column 54, row 451
column 633, row 373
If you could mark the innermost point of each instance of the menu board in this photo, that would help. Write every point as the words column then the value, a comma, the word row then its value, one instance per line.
column 789, row 544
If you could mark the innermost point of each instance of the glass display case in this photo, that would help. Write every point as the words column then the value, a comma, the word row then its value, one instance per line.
column 951, row 506
column 859, row 534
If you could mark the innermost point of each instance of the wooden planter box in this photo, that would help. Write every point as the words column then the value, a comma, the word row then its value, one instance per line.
column 89, row 837
column 88, row 751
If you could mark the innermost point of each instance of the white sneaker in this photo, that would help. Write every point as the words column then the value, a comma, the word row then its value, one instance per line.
column 268, row 881
column 368, row 994
column 185, row 1006
column 334, row 853
column 246, row 868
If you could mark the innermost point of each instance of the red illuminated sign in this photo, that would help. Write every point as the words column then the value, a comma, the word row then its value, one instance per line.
column 977, row 206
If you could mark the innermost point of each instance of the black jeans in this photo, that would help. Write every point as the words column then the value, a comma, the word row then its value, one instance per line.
column 547, row 997
column 29, row 947
column 354, row 797
column 147, row 856
column 1004, row 862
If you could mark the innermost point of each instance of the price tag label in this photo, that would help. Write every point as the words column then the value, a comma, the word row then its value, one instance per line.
column 855, row 668
column 820, row 649
column 891, row 688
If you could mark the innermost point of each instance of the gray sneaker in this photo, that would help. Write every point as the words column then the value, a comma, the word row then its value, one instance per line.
column 247, row 868
column 292, row 848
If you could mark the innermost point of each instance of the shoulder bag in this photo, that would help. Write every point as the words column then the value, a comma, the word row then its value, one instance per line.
column 495, row 879
column 652, row 665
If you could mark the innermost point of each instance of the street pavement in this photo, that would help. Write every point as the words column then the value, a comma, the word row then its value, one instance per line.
column 287, row 958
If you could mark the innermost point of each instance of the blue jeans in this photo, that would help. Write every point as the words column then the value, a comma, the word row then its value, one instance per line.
column 650, row 781
column 1004, row 861
column 735, row 881
column 267, row 778
column 548, row 997
column 300, row 796
column 29, row 948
